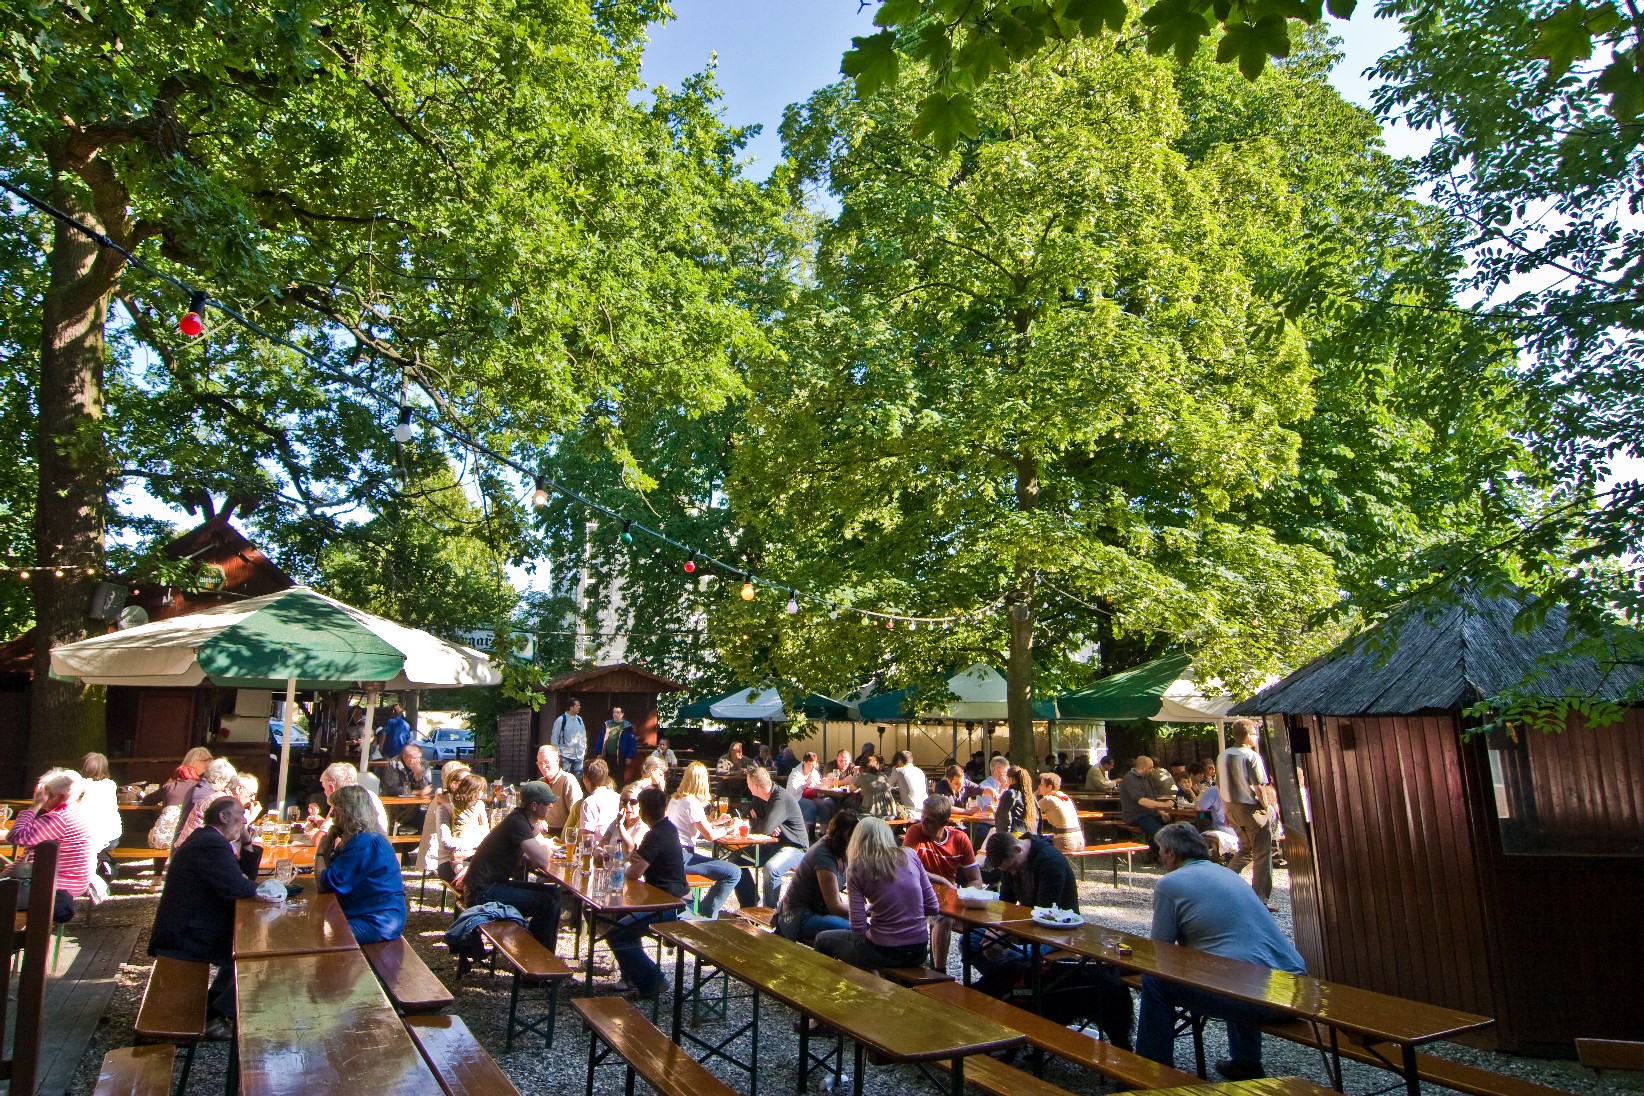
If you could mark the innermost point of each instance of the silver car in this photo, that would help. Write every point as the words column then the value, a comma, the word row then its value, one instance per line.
column 448, row 744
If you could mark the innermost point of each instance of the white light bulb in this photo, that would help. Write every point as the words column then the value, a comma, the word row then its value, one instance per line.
column 403, row 432
column 792, row 606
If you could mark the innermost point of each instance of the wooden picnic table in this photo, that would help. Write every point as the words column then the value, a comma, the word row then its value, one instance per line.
column 302, row 856
column 406, row 800
column 319, row 1023
column 299, row 927
column 995, row 912
column 603, row 905
column 1372, row 1017
column 895, row 1023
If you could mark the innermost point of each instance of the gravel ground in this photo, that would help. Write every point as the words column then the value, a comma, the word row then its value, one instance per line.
column 482, row 1001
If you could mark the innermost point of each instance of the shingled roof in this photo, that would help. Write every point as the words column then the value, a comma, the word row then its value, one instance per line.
column 1445, row 657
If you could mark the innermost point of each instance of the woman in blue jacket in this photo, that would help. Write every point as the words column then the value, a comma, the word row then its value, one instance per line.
column 360, row 868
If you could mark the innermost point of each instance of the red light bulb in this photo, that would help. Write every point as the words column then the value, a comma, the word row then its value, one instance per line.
column 190, row 324
column 690, row 567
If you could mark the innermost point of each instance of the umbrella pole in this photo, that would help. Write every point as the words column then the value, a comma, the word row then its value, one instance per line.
column 371, row 698
column 1221, row 736
column 285, row 741
column 825, row 735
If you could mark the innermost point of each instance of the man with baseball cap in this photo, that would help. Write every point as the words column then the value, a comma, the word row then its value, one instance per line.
column 497, row 872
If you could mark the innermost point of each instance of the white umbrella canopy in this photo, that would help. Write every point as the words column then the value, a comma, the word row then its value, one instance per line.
column 295, row 639
column 749, row 704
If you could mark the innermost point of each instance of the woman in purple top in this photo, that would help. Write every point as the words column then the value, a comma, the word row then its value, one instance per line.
column 890, row 899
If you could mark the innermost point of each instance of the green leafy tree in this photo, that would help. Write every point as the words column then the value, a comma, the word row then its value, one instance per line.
column 1538, row 152
column 1036, row 377
column 470, row 206
column 956, row 46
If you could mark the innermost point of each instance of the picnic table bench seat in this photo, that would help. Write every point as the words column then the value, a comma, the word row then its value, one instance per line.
column 914, row 977
column 645, row 1050
column 1431, row 1068
column 763, row 916
column 530, row 963
column 462, row 1066
column 1114, row 849
column 174, row 1008
column 994, row 1077
column 405, row 977
column 136, row 1071
column 1602, row 1054
column 138, row 854
column 1128, row 1069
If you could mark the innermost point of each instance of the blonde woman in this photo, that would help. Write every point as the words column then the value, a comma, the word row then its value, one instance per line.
column 465, row 826
column 687, row 811
column 1060, row 814
column 358, row 865
column 439, row 811
column 100, row 804
column 891, row 899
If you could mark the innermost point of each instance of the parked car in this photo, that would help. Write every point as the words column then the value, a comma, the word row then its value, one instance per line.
column 276, row 727
column 447, row 744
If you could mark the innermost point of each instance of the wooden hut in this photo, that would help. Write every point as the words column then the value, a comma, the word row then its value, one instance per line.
column 623, row 685
column 1502, row 874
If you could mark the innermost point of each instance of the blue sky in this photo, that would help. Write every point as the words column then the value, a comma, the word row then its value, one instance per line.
column 775, row 52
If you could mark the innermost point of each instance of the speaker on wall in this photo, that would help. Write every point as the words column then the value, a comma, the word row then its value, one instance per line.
column 107, row 599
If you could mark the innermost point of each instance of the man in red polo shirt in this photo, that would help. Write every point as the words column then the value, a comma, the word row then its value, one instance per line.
column 949, row 859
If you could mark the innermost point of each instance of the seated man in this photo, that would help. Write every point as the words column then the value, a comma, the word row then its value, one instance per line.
column 775, row 812
column 949, row 860
column 1100, row 776
column 1139, row 804
column 340, row 774
column 959, row 788
column 803, row 781
column 195, row 918
column 733, row 761
column 408, row 776
column 562, row 782
column 497, row 871
column 1203, row 905
column 1034, row 873
column 56, row 815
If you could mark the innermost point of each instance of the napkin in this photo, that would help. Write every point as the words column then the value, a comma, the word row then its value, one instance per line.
column 271, row 890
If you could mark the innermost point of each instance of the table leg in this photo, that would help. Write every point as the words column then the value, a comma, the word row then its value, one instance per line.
column 861, row 1068
column 1036, row 979
column 588, row 971
column 804, row 1053
column 1412, row 1080
column 957, row 1078
column 1335, row 1059
column 753, row 1049
column 679, row 991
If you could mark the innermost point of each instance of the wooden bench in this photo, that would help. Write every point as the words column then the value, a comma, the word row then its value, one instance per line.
column 174, row 1008
column 913, row 977
column 1432, row 1069
column 136, row 1071
column 1114, row 849
column 463, row 1067
column 1127, row 1069
column 645, row 1050
column 405, row 977
column 530, row 962
column 763, row 916
column 156, row 855
column 1601, row 1054
column 994, row 1077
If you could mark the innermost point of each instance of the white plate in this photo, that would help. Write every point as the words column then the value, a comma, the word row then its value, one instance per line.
column 1050, row 922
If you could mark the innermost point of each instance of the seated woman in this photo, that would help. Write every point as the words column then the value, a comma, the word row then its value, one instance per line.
column 686, row 812
column 874, row 787
column 357, row 864
column 890, row 899
column 815, row 899
column 1018, row 811
column 1060, row 814
column 462, row 826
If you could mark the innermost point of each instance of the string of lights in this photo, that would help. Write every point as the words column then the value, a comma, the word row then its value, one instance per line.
column 192, row 325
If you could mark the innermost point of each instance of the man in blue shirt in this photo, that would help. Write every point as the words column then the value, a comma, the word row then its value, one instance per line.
column 1200, row 904
column 395, row 733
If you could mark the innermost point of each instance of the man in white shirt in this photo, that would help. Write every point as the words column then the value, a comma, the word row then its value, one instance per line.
column 567, row 790
column 908, row 784
column 994, row 786
column 1247, row 794
column 807, row 777
column 567, row 735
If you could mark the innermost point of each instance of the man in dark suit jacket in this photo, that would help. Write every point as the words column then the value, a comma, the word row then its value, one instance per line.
column 195, row 920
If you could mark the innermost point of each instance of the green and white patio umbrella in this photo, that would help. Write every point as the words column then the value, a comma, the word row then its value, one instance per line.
column 295, row 639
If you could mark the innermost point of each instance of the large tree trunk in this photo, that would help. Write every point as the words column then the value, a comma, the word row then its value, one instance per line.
column 1019, row 617
column 66, row 719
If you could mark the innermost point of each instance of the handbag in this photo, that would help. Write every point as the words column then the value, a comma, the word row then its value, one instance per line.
column 164, row 832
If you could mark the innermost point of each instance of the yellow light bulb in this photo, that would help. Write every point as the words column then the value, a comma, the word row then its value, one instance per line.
column 747, row 591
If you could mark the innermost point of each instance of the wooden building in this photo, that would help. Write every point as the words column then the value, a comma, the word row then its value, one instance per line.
column 601, row 688
column 1498, row 874
column 149, row 730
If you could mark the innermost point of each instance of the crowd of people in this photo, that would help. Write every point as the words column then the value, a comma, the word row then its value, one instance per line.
column 830, row 862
